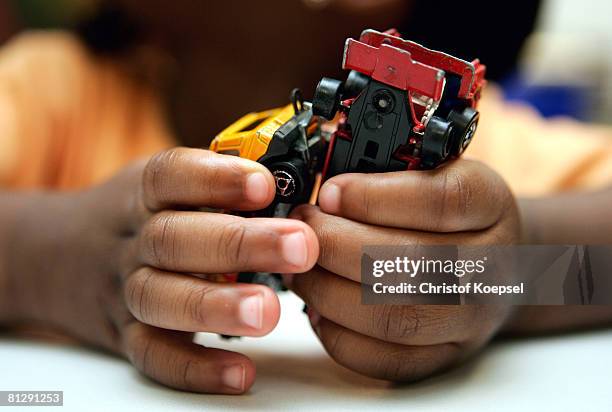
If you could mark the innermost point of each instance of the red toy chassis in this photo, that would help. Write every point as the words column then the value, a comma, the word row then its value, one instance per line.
column 402, row 106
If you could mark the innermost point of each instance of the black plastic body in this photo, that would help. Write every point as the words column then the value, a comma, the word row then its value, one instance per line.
column 376, row 133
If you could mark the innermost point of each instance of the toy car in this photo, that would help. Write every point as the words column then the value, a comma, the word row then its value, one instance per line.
column 402, row 106
column 288, row 141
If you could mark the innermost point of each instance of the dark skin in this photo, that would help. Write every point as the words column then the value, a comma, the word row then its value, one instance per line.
column 119, row 266
column 115, row 266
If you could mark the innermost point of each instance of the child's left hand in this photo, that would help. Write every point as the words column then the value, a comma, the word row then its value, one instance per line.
column 462, row 203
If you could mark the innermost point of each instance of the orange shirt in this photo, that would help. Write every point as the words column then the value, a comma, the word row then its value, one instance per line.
column 69, row 119
column 540, row 156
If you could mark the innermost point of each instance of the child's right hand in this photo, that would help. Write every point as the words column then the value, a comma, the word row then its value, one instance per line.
column 119, row 265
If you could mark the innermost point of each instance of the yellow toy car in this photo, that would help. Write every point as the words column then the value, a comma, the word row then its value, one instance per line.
column 250, row 136
column 288, row 141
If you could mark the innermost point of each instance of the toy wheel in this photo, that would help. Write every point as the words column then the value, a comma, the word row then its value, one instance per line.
column 327, row 98
column 436, row 142
column 464, row 127
column 355, row 83
column 288, row 176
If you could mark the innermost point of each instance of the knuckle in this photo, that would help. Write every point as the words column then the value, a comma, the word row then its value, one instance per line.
column 212, row 175
column 159, row 240
column 218, row 176
column 194, row 306
column 371, row 199
column 139, row 348
column 335, row 346
column 138, row 294
column 237, row 167
column 397, row 321
column 447, row 323
column 330, row 249
column 155, row 174
column 155, row 359
column 454, row 196
column 458, row 192
column 232, row 248
column 185, row 375
column 328, row 236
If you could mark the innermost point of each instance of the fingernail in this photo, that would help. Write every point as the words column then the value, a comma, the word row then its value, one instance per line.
column 294, row 249
column 329, row 198
column 314, row 317
column 256, row 187
column 234, row 377
column 251, row 311
column 287, row 279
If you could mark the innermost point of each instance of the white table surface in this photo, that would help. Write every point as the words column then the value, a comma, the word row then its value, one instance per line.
column 565, row 373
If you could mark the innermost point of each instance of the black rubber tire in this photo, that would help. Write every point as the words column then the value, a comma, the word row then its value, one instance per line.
column 464, row 123
column 355, row 83
column 436, row 142
column 326, row 98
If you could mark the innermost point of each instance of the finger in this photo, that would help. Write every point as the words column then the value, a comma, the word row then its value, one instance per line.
column 341, row 254
column 185, row 303
column 464, row 195
column 173, row 360
column 195, row 177
column 339, row 300
column 383, row 360
column 200, row 242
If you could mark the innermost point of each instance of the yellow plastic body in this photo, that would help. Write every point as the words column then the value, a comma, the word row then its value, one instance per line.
column 250, row 135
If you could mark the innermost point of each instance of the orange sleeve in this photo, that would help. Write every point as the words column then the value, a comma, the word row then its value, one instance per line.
column 69, row 119
column 540, row 156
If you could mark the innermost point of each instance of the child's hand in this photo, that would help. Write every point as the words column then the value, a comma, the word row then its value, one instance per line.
column 464, row 203
column 118, row 266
